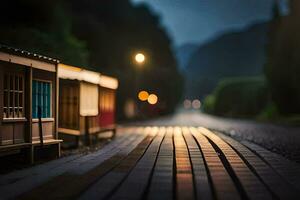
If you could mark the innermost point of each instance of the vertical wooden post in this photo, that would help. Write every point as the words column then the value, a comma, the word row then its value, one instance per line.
column 1, row 100
column 40, row 126
column 87, row 132
column 57, row 109
column 56, row 103
column 31, row 154
column 58, row 150
column 28, row 111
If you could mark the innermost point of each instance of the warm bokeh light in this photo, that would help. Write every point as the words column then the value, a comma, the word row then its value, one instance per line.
column 143, row 95
column 187, row 104
column 152, row 99
column 129, row 108
column 196, row 104
column 140, row 58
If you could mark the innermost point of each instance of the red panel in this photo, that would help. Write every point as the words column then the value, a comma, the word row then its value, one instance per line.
column 106, row 118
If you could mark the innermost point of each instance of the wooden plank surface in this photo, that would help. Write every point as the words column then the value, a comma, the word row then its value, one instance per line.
column 161, row 163
column 162, row 182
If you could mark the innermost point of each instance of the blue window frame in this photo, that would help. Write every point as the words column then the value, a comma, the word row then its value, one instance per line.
column 41, row 97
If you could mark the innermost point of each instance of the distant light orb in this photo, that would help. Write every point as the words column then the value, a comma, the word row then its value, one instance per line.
column 187, row 104
column 129, row 108
column 140, row 58
column 152, row 99
column 196, row 104
column 143, row 95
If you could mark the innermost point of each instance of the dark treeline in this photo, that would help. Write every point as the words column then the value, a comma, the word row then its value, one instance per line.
column 283, row 66
column 275, row 94
column 99, row 35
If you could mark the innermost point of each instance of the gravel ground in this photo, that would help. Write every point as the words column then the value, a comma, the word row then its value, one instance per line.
column 283, row 140
column 85, row 149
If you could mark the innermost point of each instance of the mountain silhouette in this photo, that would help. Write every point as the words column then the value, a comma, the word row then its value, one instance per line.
column 184, row 53
column 235, row 54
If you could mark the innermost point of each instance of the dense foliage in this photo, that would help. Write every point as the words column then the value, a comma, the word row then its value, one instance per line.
column 277, row 98
column 100, row 35
column 238, row 97
column 283, row 67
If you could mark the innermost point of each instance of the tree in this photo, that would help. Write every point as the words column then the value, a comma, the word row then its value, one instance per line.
column 99, row 35
column 283, row 66
column 114, row 31
column 41, row 27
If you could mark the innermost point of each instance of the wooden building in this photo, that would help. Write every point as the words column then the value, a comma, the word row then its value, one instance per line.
column 28, row 84
column 87, row 102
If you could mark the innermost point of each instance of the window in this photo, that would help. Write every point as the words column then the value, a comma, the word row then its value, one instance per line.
column 41, row 97
column 13, row 104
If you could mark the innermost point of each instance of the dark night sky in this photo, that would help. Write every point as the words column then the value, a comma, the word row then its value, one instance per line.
column 199, row 20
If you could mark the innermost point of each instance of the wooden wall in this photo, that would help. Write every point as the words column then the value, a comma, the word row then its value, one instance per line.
column 69, row 104
column 48, row 123
column 16, row 131
column 12, row 131
column 107, row 107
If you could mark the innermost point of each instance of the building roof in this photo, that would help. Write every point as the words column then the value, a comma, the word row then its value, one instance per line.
column 77, row 73
column 19, row 52
column 108, row 82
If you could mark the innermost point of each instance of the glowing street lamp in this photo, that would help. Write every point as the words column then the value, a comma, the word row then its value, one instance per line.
column 152, row 99
column 143, row 95
column 140, row 58
column 196, row 104
column 187, row 104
